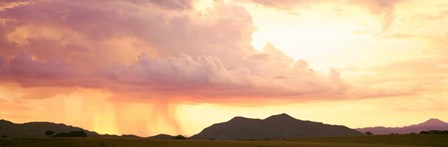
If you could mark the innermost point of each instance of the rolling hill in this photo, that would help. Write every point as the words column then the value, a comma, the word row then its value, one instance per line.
column 276, row 126
column 161, row 136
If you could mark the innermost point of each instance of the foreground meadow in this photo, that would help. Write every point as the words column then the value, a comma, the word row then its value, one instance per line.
column 364, row 141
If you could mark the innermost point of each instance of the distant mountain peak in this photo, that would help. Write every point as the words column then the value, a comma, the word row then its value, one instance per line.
column 434, row 122
column 238, row 118
column 282, row 116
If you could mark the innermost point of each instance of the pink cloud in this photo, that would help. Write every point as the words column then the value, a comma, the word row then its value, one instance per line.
column 24, row 66
column 137, row 47
column 172, row 4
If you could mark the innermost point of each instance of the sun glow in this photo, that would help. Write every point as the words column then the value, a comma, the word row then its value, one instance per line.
column 203, row 5
column 302, row 40
column 310, row 42
column 310, row 35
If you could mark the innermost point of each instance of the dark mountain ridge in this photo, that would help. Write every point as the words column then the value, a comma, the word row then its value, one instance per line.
column 37, row 129
column 276, row 126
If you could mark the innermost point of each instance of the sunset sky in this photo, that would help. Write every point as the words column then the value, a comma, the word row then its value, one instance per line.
column 147, row 67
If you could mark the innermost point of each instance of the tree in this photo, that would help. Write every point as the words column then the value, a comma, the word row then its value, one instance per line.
column 369, row 133
column 49, row 132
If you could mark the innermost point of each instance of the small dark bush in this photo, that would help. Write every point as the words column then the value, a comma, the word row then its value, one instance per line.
column 179, row 137
column 49, row 132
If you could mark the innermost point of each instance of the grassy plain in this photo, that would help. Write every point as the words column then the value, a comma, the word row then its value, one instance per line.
column 363, row 141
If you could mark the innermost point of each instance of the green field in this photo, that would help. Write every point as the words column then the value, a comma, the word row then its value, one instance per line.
column 364, row 141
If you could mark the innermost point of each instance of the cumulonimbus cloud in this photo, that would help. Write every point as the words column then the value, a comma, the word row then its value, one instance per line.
column 138, row 46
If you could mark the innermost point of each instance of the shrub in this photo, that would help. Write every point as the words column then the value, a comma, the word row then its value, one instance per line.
column 179, row 137
column 49, row 132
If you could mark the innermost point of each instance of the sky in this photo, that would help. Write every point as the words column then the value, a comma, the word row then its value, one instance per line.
column 147, row 67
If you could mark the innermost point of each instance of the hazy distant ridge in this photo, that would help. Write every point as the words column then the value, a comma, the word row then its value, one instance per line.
column 431, row 124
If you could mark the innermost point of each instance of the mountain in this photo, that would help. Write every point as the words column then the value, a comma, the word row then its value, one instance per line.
column 276, row 126
column 431, row 124
column 161, row 136
column 130, row 136
column 37, row 129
